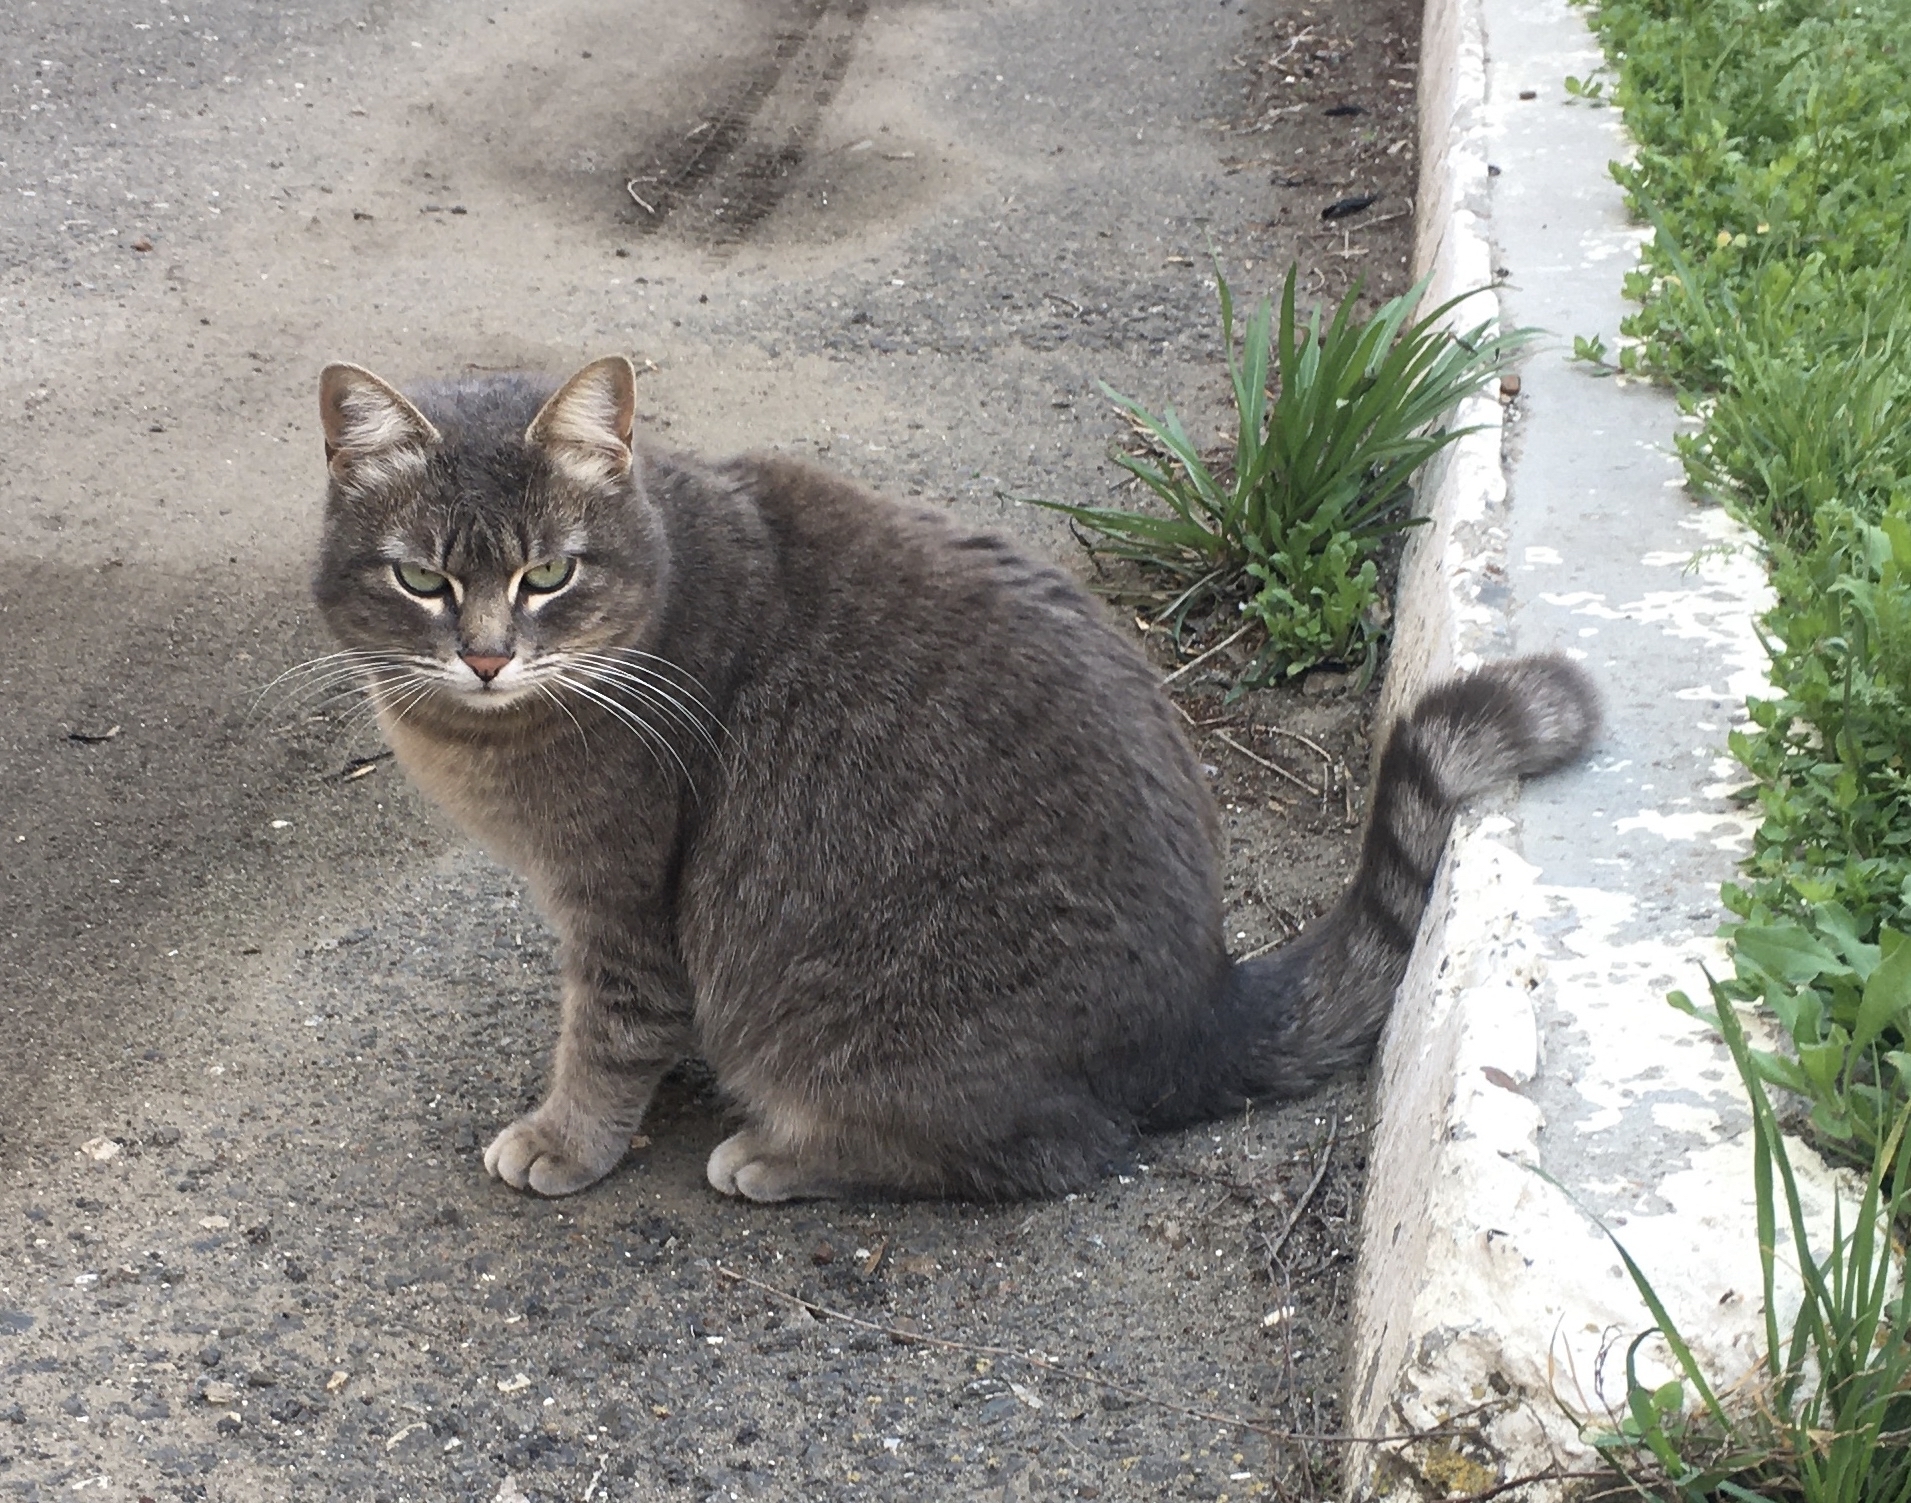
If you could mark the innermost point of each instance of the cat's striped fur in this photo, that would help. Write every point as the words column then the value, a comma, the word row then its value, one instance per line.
column 875, row 813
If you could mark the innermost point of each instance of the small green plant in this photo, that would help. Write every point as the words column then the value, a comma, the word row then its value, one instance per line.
column 1591, row 88
column 1287, row 533
column 1828, row 1417
column 1590, row 349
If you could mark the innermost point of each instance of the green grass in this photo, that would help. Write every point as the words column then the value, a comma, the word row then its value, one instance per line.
column 1828, row 1418
column 1285, row 533
column 1774, row 163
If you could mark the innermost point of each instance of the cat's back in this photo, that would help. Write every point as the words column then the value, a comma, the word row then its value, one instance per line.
column 919, row 582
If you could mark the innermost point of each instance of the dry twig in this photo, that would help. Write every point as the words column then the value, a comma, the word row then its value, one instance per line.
column 1197, row 662
column 1274, row 767
column 1307, row 741
column 1307, row 1198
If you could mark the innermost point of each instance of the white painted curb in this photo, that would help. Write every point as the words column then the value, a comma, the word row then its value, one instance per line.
column 1532, row 1028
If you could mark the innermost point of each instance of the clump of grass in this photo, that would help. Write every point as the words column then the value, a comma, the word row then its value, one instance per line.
column 1287, row 532
column 1827, row 1417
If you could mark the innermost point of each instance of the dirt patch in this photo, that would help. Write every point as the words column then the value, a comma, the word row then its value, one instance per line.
column 1330, row 110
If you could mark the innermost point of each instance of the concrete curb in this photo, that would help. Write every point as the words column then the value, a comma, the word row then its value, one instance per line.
column 1532, row 1030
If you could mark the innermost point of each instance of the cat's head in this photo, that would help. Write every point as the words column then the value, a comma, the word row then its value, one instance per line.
column 489, row 541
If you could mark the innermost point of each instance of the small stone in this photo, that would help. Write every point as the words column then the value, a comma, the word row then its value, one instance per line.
column 229, row 1424
column 100, row 1150
column 517, row 1383
column 215, row 1223
column 1509, row 386
column 262, row 1377
column 823, row 1255
column 221, row 1393
column 142, row 244
column 338, row 1380
column 211, row 1356
column 14, row 1416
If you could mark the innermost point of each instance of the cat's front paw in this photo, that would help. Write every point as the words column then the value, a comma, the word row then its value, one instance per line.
column 553, row 1153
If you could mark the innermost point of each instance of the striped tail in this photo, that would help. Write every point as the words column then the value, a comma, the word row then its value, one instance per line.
column 1292, row 1020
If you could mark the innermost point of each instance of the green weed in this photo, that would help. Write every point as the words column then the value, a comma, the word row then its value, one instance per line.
column 1828, row 1418
column 1591, row 89
column 1287, row 531
column 1590, row 349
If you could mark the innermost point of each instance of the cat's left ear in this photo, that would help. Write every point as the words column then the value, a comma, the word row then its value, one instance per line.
column 586, row 426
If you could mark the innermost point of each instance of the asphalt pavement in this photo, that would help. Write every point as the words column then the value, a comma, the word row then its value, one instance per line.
column 259, row 1007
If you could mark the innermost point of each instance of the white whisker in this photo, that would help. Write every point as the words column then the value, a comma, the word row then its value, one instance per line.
column 656, row 693
column 652, row 738
column 328, row 685
column 350, row 692
column 296, row 679
column 683, row 687
column 418, row 693
column 557, row 699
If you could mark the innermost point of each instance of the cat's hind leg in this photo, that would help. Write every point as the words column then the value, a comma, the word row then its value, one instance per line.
column 749, row 1164
column 1060, row 1143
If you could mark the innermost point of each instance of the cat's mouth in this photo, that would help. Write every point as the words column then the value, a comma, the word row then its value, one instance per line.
column 483, row 695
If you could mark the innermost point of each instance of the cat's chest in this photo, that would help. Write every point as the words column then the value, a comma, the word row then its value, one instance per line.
column 529, row 805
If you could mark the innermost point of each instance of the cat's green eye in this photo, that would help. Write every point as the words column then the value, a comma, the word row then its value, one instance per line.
column 552, row 574
column 420, row 580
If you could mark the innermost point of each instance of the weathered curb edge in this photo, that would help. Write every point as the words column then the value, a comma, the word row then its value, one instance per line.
column 1532, row 1028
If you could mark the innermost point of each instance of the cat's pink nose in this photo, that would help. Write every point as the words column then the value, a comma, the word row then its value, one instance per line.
column 487, row 668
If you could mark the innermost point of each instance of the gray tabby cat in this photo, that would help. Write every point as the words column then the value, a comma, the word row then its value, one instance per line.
column 871, row 811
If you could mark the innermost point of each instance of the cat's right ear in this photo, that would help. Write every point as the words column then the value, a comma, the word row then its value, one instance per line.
column 586, row 426
column 367, row 423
